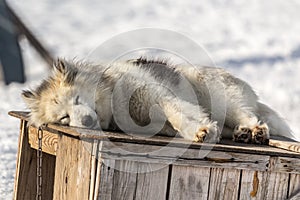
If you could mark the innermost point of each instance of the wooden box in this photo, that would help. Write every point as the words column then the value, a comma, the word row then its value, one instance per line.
column 86, row 164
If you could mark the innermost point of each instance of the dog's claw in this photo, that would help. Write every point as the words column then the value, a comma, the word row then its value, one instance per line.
column 242, row 134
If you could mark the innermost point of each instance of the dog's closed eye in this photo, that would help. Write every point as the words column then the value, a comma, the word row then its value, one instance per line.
column 77, row 101
column 65, row 120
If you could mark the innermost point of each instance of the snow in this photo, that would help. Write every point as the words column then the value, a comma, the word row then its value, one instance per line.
column 257, row 41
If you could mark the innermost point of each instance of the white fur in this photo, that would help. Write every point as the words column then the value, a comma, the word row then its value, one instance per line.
column 106, row 92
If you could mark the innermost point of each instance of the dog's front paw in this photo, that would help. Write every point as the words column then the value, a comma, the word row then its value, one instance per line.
column 242, row 134
column 210, row 134
column 201, row 135
column 260, row 134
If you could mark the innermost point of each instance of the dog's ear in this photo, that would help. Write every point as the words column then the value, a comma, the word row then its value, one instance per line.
column 29, row 98
column 60, row 66
column 32, row 102
column 65, row 72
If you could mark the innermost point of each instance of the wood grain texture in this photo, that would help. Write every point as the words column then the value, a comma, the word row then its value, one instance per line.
column 284, row 164
column 224, row 183
column 93, row 164
column 72, row 174
column 295, row 197
column 132, row 180
column 105, row 180
column 152, row 180
column 253, row 185
column 49, row 140
column 291, row 146
column 294, row 185
column 178, row 156
column 189, row 183
column 277, row 187
column 124, row 180
column 25, row 181
column 225, row 145
column 95, row 169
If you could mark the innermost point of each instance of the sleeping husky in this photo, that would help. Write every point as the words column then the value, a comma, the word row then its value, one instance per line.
column 153, row 96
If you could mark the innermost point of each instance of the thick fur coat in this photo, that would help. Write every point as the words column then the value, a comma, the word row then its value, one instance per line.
column 152, row 96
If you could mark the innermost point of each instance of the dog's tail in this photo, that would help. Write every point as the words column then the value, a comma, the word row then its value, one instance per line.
column 277, row 125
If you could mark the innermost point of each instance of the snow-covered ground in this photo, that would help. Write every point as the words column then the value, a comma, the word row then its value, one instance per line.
column 256, row 40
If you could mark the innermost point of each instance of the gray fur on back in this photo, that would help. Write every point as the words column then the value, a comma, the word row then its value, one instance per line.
column 161, row 70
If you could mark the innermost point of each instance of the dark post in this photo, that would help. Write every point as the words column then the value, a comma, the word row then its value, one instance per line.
column 10, row 53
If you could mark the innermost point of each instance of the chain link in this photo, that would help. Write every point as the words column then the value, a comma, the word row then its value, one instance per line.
column 39, row 165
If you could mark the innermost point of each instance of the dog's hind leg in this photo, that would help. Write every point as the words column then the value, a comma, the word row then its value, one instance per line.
column 246, row 125
column 190, row 121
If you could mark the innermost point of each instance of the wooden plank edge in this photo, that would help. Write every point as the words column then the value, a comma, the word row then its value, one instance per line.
column 81, row 133
column 19, row 114
column 290, row 146
column 285, row 165
column 49, row 140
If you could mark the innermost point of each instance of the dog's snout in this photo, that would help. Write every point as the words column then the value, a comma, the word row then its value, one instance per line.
column 87, row 121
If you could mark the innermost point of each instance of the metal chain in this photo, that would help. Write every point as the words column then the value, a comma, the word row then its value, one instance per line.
column 39, row 165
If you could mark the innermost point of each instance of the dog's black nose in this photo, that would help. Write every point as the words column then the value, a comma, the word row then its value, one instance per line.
column 87, row 121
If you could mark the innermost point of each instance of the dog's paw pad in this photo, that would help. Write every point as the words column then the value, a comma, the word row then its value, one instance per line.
column 201, row 135
column 242, row 134
column 260, row 134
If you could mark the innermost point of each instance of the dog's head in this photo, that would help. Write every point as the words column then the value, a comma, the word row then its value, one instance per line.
column 57, row 100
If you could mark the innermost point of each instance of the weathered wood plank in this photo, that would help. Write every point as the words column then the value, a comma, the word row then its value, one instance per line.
column 253, row 185
column 294, row 185
column 224, row 183
column 225, row 145
column 22, row 115
column 277, row 187
column 189, row 183
column 135, row 180
column 124, row 180
column 72, row 131
column 49, row 140
column 219, row 159
column 95, row 169
column 295, row 197
column 25, row 176
column 105, row 179
column 123, row 168
column 48, row 174
column 152, row 181
column 284, row 164
column 169, row 155
column 73, row 165
column 25, row 179
column 291, row 146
